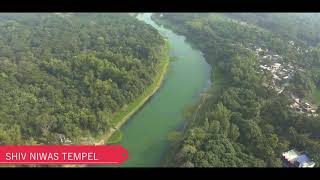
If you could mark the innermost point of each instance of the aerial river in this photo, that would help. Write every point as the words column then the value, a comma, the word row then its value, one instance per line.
column 145, row 133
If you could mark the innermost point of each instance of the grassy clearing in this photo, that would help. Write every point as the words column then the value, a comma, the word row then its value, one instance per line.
column 115, row 138
column 316, row 96
column 217, row 80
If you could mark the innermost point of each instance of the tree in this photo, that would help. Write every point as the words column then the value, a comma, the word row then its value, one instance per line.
column 223, row 115
column 234, row 132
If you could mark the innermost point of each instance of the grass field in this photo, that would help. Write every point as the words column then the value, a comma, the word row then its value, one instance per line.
column 316, row 96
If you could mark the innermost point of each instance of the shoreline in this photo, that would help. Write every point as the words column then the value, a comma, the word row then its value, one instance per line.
column 157, row 84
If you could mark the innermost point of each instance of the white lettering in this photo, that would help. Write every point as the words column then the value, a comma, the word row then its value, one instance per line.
column 15, row 156
column 80, row 156
column 44, row 156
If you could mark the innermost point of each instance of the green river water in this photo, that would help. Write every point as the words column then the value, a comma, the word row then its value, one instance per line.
column 145, row 133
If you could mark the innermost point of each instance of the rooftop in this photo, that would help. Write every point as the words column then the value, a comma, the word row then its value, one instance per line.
column 294, row 158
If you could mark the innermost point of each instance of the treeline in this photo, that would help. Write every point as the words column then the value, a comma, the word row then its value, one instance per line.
column 302, row 27
column 65, row 75
column 241, row 123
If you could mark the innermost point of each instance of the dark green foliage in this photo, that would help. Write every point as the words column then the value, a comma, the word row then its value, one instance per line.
column 70, row 73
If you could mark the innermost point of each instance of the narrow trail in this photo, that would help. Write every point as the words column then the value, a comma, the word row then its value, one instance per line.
column 204, row 96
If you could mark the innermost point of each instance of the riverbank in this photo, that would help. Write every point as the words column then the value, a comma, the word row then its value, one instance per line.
column 122, row 116
column 218, row 82
column 145, row 134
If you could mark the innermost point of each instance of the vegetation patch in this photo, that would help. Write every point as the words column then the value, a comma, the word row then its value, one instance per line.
column 115, row 138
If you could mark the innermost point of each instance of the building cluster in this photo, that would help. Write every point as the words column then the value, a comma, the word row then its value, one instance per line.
column 298, row 49
column 302, row 106
column 273, row 63
column 281, row 72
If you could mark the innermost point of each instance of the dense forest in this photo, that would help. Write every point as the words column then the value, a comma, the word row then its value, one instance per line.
column 64, row 76
column 240, row 122
column 302, row 27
